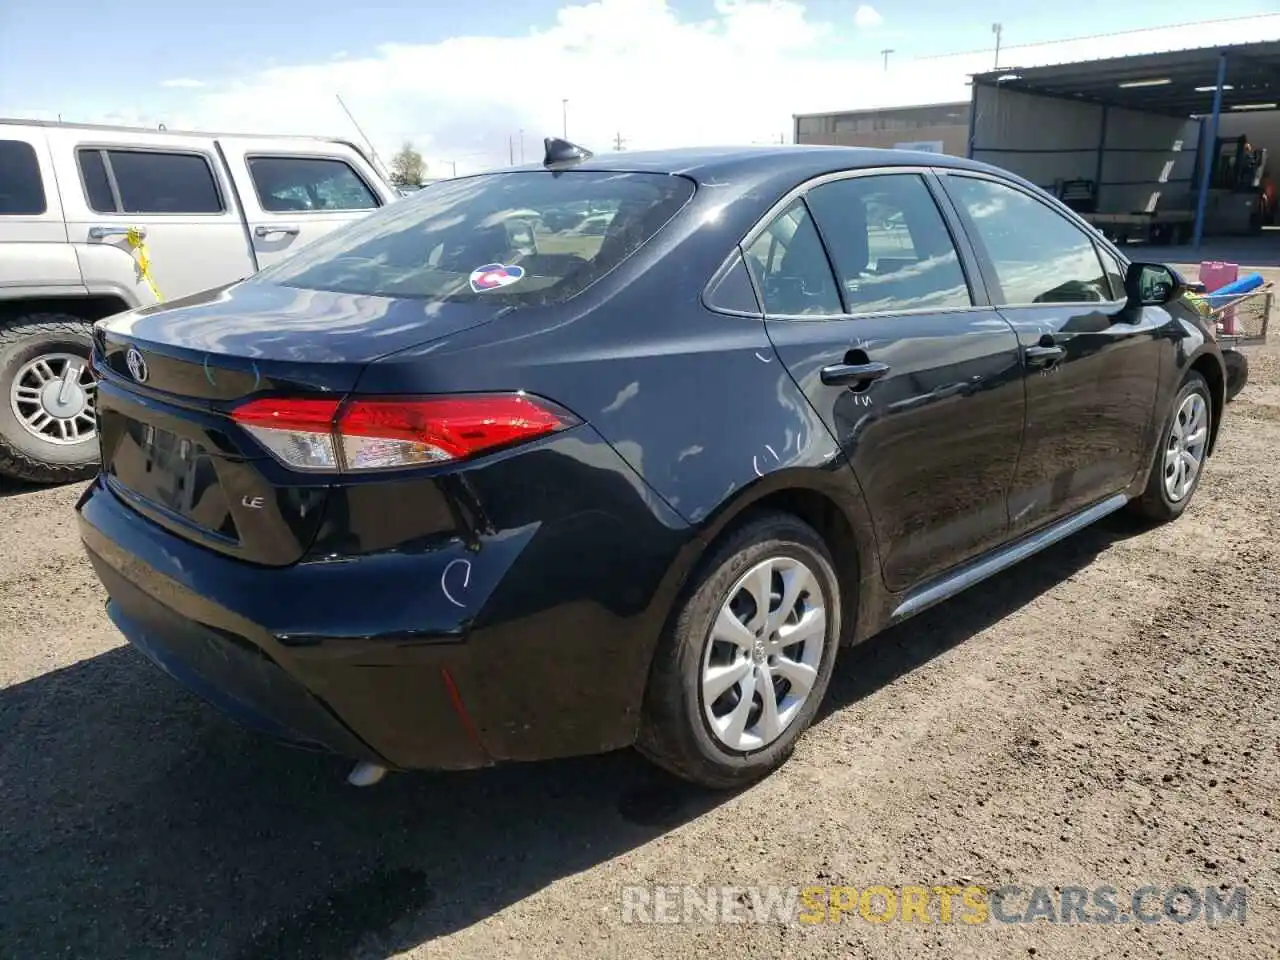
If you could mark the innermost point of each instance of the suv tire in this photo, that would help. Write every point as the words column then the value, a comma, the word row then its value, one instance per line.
column 40, row 455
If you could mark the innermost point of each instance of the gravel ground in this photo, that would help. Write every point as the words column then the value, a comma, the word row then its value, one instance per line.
column 1105, row 713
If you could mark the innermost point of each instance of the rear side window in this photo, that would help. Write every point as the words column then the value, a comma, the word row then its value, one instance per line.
column 289, row 184
column 522, row 238
column 889, row 244
column 21, row 188
column 1039, row 255
column 791, row 268
column 148, row 181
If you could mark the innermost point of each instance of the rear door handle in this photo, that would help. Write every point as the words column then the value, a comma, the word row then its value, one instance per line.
column 852, row 374
column 1044, row 355
column 265, row 231
column 104, row 233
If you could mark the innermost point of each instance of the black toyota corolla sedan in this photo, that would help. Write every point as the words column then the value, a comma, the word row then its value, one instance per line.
column 467, row 482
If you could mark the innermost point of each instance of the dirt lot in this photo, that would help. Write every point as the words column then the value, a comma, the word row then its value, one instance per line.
column 1104, row 714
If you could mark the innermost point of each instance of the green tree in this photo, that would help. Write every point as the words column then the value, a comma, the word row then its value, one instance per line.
column 407, row 167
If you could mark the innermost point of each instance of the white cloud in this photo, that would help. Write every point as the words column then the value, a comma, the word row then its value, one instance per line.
column 634, row 66
column 185, row 83
column 629, row 66
column 867, row 16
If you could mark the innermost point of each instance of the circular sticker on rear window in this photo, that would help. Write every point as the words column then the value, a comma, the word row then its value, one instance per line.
column 494, row 275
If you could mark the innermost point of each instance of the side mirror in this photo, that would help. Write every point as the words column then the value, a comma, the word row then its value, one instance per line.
column 1153, row 284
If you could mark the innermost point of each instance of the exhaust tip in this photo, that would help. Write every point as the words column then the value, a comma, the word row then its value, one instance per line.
column 366, row 774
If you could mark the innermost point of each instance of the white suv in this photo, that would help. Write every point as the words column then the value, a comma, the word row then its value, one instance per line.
column 96, row 220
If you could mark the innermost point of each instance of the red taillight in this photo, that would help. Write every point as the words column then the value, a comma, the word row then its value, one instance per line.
column 380, row 433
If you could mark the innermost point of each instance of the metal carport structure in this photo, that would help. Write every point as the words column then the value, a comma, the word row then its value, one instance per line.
column 1114, row 122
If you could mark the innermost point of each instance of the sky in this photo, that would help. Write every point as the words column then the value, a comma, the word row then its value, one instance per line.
column 462, row 80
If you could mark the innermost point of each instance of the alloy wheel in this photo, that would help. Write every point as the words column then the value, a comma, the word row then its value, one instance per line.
column 54, row 398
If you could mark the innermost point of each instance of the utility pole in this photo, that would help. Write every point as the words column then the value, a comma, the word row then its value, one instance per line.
column 885, row 53
column 564, row 115
column 998, row 30
column 511, row 151
column 618, row 142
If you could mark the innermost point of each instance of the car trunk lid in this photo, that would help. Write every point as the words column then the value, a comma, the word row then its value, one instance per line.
column 170, row 377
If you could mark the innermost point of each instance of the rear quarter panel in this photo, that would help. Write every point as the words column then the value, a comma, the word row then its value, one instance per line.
column 696, row 403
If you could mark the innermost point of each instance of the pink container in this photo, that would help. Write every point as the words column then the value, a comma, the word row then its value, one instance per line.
column 1216, row 274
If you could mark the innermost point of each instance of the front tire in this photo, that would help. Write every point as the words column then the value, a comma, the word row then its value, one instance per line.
column 1184, row 446
column 48, row 425
column 747, row 661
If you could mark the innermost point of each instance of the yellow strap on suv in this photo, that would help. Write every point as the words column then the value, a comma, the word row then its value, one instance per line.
column 139, row 246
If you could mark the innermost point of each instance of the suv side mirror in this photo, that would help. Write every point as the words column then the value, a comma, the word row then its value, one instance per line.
column 1152, row 284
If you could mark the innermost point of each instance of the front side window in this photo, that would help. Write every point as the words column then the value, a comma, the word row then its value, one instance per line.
column 287, row 184
column 1038, row 255
column 889, row 244
column 21, row 188
column 148, row 181
column 1115, row 272
column 526, row 238
column 791, row 269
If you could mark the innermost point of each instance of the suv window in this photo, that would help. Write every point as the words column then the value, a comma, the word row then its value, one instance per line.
column 791, row 268
column 286, row 184
column 889, row 244
column 21, row 189
column 1039, row 256
column 486, row 237
column 148, row 181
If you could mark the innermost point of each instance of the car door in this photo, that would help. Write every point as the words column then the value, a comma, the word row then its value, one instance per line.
column 171, row 188
column 1092, row 362
column 917, row 379
column 35, row 257
column 293, row 193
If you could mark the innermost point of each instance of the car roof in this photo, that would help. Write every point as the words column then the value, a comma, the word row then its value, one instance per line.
column 801, row 161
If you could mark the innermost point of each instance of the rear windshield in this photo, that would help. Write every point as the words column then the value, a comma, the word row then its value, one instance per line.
column 523, row 238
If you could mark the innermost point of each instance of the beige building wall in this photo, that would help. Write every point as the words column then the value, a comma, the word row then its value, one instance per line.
column 945, row 123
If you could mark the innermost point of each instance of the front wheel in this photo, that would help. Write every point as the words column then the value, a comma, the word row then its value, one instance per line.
column 48, row 419
column 1184, row 446
column 745, row 666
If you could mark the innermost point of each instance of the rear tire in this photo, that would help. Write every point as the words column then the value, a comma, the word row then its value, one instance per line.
column 720, row 648
column 1184, row 447
column 30, row 448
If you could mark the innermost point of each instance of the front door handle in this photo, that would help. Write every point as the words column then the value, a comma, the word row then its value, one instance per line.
column 1044, row 355
column 265, row 231
column 852, row 374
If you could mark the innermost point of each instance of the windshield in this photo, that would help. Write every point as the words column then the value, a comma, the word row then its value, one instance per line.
column 523, row 238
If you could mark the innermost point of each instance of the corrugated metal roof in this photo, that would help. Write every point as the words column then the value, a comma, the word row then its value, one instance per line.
column 1173, row 82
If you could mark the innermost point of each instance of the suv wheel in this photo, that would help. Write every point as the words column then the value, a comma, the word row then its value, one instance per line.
column 748, row 659
column 1184, row 445
column 48, row 421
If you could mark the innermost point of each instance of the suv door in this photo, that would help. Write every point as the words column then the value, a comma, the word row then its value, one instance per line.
column 1092, row 362
column 35, row 258
column 171, row 188
column 916, row 378
column 294, row 192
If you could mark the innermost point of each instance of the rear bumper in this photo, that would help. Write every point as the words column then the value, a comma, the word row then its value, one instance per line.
column 520, row 658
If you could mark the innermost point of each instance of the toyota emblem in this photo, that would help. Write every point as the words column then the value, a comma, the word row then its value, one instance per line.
column 137, row 366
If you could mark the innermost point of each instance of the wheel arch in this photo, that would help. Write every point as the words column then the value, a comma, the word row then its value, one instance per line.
column 1208, row 363
column 87, row 307
column 829, row 502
